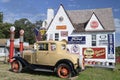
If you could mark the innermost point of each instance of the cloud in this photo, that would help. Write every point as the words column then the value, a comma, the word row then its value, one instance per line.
column 117, row 24
column 5, row 1
column 11, row 17
column 116, row 10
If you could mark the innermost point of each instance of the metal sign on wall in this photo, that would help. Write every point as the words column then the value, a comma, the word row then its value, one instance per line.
column 75, row 49
column 103, row 40
column 110, row 46
column 76, row 40
column 94, row 53
column 64, row 33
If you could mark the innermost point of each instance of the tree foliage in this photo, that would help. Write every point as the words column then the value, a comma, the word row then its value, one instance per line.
column 28, row 27
column 5, row 30
column 23, row 23
column 117, row 49
column 1, row 17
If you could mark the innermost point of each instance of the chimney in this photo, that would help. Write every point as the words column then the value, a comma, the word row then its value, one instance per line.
column 50, row 15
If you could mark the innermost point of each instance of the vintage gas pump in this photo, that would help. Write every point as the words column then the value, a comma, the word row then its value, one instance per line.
column 21, row 41
column 11, row 51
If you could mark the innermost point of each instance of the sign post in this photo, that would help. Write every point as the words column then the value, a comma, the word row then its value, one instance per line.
column 11, row 51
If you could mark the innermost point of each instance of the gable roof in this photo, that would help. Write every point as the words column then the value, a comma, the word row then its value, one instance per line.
column 95, row 19
column 80, row 18
column 61, row 6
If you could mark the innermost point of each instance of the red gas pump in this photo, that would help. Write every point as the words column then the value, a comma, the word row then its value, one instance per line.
column 11, row 51
column 21, row 41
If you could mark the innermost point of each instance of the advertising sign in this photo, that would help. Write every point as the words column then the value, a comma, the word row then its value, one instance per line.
column 75, row 49
column 94, row 53
column 64, row 33
column 62, row 27
column 110, row 46
column 94, row 24
column 103, row 40
column 76, row 40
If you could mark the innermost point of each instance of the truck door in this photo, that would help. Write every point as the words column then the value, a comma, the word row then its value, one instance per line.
column 43, row 54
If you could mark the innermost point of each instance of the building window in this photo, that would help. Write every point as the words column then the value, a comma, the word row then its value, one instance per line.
column 61, row 19
column 56, row 36
column 93, row 40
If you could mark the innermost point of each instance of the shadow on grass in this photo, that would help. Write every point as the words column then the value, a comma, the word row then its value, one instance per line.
column 42, row 73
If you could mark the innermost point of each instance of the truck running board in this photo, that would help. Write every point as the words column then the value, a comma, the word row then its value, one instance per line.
column 44, row 70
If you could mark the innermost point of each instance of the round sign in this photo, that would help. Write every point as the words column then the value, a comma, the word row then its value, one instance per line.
column 21, row 31
column 75, row 49
column 12, row 28
column 42, row 32
column 88, row 52
column 94, row 24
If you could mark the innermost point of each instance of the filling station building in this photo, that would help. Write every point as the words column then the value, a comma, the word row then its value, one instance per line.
column 90, row 33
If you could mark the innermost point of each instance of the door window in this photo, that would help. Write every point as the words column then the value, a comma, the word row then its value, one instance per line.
column 53, row 46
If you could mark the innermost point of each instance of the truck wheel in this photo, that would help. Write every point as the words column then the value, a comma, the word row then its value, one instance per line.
column 64, row 71
column 16, row 66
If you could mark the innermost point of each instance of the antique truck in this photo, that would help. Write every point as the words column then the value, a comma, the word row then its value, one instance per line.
column 49, row 56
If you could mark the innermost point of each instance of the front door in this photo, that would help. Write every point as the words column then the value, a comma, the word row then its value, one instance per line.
column 43, row 54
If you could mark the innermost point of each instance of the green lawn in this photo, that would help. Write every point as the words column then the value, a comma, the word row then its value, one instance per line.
column 88, row 74
column 99, row 74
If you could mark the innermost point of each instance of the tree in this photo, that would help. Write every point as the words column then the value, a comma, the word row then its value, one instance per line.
column 117, row 49
column 38, row 24
column 28, row 27
column 5, row 30
column 1, row 17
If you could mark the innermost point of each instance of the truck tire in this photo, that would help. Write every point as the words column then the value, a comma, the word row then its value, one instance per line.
column 16, row 66
column 64, row 71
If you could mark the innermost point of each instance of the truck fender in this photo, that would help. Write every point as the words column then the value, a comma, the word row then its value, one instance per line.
column 66, row 61
column 23, row 61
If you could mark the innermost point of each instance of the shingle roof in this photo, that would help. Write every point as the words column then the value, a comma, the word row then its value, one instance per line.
column 81, row 17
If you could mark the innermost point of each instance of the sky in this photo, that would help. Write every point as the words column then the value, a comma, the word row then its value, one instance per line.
column 36, row 10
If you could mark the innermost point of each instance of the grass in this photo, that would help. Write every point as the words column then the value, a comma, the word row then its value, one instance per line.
column 88, row 74
column 99, row 74
column 6, row 74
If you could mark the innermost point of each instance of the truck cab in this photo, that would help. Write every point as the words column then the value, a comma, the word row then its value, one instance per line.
column 50, row 56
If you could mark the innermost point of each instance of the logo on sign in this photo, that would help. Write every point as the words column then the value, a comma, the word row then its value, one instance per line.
column 75, row 49
column 96, row 53
column 94, row 24
column 76, row 40
column 110, row 46
column 88, row 53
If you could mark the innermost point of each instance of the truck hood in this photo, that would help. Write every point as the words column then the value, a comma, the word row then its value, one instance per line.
column 28, row 51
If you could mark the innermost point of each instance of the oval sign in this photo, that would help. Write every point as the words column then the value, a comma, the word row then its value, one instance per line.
column 94, row 24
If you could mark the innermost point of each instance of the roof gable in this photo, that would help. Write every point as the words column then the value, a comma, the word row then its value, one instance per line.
column 94, row 24
column 60, row 20
column 104, row 16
